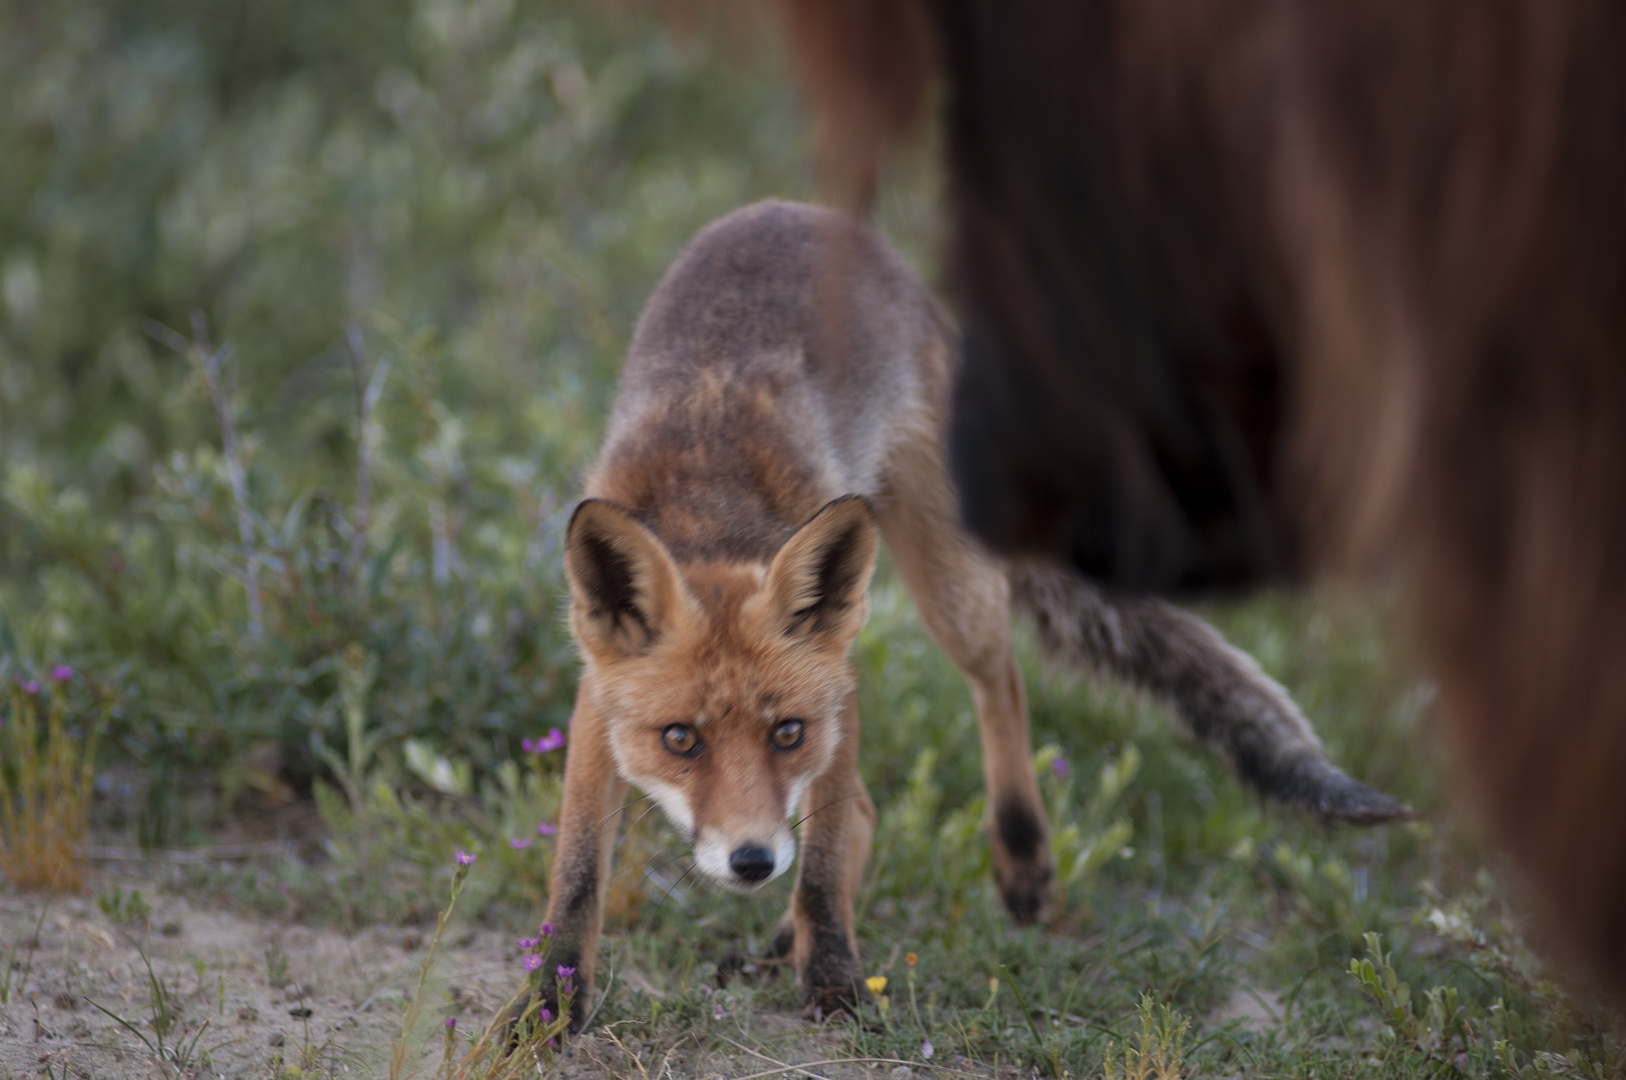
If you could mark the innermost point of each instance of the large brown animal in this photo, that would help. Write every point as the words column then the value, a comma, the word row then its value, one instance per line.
column 1253, row 288
column 720, row 566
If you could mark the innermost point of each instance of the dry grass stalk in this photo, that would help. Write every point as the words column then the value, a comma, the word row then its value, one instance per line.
column 45, row 789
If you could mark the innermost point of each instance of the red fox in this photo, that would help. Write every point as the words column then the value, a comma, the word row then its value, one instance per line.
column 759, row 449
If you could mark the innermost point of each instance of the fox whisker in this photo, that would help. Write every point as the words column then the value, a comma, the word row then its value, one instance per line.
column 795, row 824
column 674, row 886
column 613, row 818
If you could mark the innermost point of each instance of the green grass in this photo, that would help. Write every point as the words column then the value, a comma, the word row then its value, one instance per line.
column 324, row 565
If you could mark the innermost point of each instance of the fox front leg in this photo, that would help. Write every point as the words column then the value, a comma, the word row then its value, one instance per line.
column 838, row 827
column 588, row 821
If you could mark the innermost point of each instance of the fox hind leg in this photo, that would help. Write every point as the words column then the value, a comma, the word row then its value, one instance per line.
column 963, row 598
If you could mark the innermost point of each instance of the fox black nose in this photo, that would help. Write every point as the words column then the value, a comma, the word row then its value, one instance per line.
column 751, row 862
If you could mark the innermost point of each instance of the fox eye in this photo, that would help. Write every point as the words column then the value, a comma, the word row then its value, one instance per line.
column 680, row 739
column 788, row 735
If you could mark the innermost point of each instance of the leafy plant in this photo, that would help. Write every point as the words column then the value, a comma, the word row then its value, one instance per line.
column 126, row 909
column 276, row 966
column 1085, row 838
column 1379, row 982
column 1159, row 1049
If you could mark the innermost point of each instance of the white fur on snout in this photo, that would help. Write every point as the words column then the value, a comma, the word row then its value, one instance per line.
column 673, row 803
column 797, row 790
column 784, row 854
column 713, row 848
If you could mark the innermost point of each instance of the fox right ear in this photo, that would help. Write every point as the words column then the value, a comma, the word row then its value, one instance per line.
column 818, row 584
column 625, row 588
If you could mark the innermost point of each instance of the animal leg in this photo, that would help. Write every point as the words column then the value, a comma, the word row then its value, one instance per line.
column 837, row 827
column 963, row 598
column 588, row 821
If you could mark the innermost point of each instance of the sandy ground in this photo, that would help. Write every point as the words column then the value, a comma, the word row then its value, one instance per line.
column 251, row 997
column 254, row 997
column 248, row 997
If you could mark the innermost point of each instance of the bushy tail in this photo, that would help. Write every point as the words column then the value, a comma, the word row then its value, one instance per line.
column 1218, row 690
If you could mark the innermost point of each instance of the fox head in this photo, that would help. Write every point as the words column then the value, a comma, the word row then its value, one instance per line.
column 723, row 685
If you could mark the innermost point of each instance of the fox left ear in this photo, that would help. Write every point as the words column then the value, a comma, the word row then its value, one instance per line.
column 818, row 583
column 626, row 592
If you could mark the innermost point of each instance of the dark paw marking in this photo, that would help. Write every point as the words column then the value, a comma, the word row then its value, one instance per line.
column 1018, row 829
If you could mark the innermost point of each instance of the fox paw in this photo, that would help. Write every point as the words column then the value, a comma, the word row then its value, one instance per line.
column 824, row 1000
column 1022, row 867
column 1025, row 889
column 833, row 984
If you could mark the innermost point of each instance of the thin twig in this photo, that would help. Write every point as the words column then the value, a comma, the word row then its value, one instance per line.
column 220, row 853
column 210, row 362
column 368, row 390
column 806, row 1065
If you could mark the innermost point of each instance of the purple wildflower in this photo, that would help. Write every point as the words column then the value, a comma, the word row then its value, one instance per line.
column 546, row 828
column 31, row 687
column 519, row 843
column 553, row 740
column 464, row 858
column 451, row 1023
column 61, row 673
column 1061, row 768
column 529, row 942
column 566, row 973
column 531, row 962
column 546, row 1016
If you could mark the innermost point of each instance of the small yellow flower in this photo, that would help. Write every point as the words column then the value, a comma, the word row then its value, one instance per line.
column 876, row 984
column 911, row 958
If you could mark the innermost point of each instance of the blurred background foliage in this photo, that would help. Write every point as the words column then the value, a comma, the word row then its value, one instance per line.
column 458, row 205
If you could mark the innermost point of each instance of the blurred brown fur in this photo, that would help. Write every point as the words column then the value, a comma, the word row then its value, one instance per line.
column 1256, row 287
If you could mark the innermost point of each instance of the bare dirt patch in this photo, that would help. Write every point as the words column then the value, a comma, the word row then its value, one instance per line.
column 240, row 996
column 247, row 996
